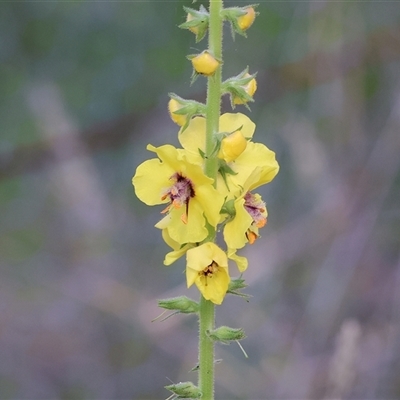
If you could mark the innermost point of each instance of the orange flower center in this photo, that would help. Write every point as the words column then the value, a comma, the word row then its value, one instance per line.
column 209, row 271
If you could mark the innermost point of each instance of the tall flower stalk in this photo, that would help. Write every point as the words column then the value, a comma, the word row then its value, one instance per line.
column 207, row 186
column 207, row 308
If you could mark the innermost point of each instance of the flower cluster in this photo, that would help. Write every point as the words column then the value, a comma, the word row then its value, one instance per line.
column 196, row 206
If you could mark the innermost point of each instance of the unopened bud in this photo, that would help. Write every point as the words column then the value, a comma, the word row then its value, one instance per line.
column 180, row 304
column 182, row 111
column 246, row 20
column 250, row 88
column 232, row 146
column 240, row 18
column 185, row 390
column 196, row 22
column 195, row 28
column 173, row 106
column 204, row 63
column 225, row 334
column 236, row 284
column 235, row 287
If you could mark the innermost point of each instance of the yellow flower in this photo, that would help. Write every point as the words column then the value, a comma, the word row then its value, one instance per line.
column 255, row 155
column 250, row 215
column 232, row 146
column 250, row 89
column 173, row 105
column 192, row 200
column 205, row 64
column 207, row 267
column 246, row 20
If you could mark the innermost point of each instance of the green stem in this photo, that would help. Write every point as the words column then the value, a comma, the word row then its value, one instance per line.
column 206, row 349
column 213, row 88
column 207, row 308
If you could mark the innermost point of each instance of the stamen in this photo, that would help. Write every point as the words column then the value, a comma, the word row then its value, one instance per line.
column 256, row 208
column 209, row 271
column 261, row 223
column 184, row 218
column 179, row 194
column 251, row 236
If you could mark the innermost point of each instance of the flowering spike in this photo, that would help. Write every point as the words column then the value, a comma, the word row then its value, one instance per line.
column 206, row 188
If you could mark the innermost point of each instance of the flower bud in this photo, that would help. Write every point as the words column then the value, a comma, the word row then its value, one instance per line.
column 173, row 106
column 240, row 88
column 225, row 334
column 236, row 284
column 196, row 21
column 194, row 29
column 185, row 390
column 235, row 287
column 182, row 111
column 204, row 63
column 232, row 146
column 240, row 18
column 246, row 20
column 250, row 88
column 181, row 304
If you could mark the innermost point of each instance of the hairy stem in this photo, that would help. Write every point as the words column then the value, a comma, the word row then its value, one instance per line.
column 207, row 308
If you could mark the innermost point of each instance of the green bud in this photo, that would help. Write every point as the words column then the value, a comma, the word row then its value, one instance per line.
column 184, row 110
column 181, row 304
column 240, row 18
column 225, row 334
column 240, row 88
column 184, row 390
column 235, row 285
column 197, row 22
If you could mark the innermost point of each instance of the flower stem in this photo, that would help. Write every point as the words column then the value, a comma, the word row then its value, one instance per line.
column 213, row 88
column 206, row 349
column 213, row 108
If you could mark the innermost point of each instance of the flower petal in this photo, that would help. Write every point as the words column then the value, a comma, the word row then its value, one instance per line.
column 231, row 122
column 235, row 230
column 211, row 201
column 241, row 262
column 172, row 256
column 150, row 178
column 199, row 257
column 255, row 155
column 193, row 230
column 193, row 137
column 215, row 288
column 178, row 250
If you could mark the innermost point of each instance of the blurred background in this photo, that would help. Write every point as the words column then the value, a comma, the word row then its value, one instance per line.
column 83, row 89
